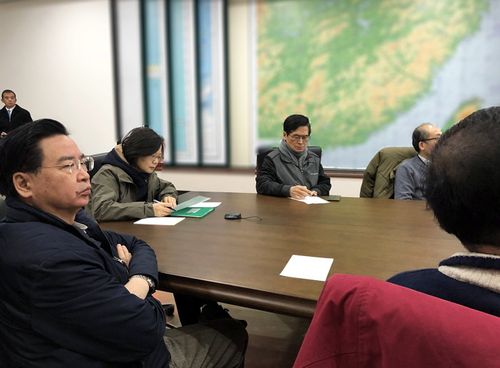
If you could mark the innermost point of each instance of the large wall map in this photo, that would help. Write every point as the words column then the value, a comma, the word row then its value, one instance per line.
column 367, row 72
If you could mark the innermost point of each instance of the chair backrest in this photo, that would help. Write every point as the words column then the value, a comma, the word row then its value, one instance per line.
column 363, row 322
column 3, row 207
column 264, row 150
column 378, row 179
column 98, row 159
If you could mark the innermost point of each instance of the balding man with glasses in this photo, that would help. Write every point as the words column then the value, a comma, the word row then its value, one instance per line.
column 291, row 170
column 411, row 174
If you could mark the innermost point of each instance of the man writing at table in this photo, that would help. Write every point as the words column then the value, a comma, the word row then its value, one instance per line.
column 291, row 170
column 72, row 294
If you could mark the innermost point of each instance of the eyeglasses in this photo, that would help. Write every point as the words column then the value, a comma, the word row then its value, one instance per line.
column 86, row 163
column 430, row 139
column 298, row 138
column 156, row 158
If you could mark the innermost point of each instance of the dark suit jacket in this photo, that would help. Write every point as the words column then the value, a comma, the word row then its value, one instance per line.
column 19, row 117
column 63, row 302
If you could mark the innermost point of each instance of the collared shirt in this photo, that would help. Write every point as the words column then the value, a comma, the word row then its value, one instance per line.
column 9, row 112
column 424, row 160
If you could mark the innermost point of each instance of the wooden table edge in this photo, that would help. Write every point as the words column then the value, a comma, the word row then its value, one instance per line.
column 249, row 298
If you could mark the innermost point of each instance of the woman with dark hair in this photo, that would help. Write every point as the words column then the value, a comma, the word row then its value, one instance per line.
column 126, row 186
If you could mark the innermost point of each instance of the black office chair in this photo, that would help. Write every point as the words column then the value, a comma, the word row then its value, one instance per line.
column 264, row 150
column 98, row 159
column 3, row 208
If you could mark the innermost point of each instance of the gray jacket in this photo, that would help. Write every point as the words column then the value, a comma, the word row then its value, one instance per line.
column 278, row 174
column 410, row 179
column 113, row 195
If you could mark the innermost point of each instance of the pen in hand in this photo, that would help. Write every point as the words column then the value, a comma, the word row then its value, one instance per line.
column 157, row 201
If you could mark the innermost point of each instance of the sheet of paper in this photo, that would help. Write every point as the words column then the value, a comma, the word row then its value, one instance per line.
column 206, row 204
column 305, row 267
column 311, row 200
column 166, row 221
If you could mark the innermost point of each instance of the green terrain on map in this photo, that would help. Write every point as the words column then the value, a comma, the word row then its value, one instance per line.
column 352, row 66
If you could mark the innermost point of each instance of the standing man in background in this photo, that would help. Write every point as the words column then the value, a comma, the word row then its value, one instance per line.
column 12, row 115
column 410, row 176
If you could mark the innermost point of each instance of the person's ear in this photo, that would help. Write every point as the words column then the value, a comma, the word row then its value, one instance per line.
column 23, row 184
column 421, row 145
column 284, row 134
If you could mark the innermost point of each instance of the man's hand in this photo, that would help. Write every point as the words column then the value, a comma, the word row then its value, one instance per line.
column 299, row 192
column 170, row 201
column 135, row 285
column 161, row 209
column 124, row 254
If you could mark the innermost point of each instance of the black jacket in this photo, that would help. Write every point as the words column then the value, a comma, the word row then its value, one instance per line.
column 63, row 302
column 19, row 117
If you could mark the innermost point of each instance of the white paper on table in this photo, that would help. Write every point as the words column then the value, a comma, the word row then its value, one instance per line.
column 168, row 221
column 311, row 200
column 206, row 204
column 305, row 267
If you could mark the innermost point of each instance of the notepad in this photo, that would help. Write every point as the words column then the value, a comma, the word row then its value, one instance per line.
column 192, row 212
column 311, row 200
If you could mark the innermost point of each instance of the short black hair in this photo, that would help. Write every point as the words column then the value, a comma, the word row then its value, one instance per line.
column 140, row 142
column 464, row 179
column 8, row 91
column 419, row 134
column 20, row 151
column 295, row 121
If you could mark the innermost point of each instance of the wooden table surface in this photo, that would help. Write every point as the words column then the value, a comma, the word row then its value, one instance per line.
column 239, row 261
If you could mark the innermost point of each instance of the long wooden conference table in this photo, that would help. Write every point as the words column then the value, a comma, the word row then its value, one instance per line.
column 239, row 261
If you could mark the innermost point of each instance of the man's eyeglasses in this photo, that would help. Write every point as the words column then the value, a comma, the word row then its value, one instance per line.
column 86, row 163
column 298, row 138
column 430, row 139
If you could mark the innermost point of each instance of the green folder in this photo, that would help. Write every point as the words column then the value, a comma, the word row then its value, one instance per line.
column 192, row 212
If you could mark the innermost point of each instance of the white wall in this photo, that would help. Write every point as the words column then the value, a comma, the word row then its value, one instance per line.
column 56, row 56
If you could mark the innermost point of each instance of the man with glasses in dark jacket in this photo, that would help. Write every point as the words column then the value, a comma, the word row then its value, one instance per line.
column 74, row 295
column 291, row 170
